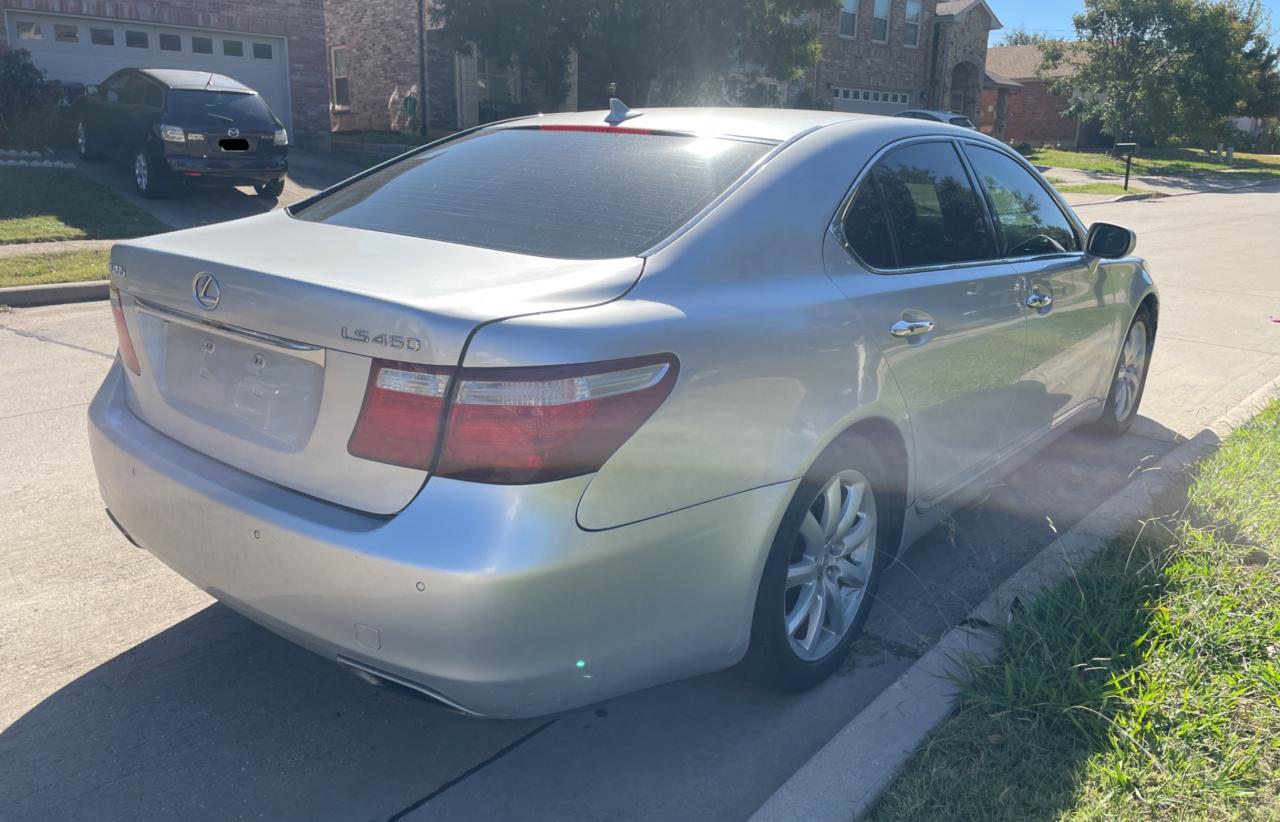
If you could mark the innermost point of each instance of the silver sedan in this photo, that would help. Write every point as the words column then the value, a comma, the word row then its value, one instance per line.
column 571, row 405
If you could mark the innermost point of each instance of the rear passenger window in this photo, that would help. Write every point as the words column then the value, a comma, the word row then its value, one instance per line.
column 866, row 229
column 934, row 213
column 1029, row 219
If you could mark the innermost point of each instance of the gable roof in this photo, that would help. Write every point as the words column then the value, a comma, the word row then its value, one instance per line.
column 952, row 8
column 1021, row 62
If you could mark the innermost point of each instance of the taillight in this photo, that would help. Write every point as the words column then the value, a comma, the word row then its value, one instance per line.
column 523, row 425
column 509, row 425
column 123, row 341
column 400, row 419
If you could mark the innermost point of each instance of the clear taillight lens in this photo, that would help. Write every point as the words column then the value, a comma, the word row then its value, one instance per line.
column 400, row 418
column 123, row 341
column 281, row 138
column 525, row 425
column 173, row 134
column 510, row 425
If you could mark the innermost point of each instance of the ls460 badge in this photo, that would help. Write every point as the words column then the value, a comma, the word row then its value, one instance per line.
column 389, row 340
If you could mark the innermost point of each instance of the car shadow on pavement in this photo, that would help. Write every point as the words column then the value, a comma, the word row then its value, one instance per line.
column 217, row 718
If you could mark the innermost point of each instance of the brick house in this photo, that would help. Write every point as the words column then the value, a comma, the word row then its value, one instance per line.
column 277, row 48
column 1032, row 113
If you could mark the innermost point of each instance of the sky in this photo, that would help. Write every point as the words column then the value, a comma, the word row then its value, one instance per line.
column 1054, row 16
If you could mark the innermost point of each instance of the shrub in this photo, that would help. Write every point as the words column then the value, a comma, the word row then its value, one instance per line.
column 33, row 114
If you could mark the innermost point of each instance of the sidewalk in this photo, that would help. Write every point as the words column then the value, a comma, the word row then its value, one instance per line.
column 55, row 247
column 1166, row 185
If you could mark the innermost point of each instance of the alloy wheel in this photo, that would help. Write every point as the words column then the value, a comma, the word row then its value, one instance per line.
column 82, row 141
column 830, row 565
column 141, row 173
column 1133, row 363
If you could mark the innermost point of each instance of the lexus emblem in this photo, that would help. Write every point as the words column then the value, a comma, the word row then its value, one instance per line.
column 206, row 290
column 233, row 132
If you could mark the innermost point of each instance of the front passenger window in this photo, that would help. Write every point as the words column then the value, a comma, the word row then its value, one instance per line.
column 1029, row 219
column 934, row 213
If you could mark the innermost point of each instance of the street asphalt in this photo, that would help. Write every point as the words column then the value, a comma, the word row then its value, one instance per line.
column 129, row 694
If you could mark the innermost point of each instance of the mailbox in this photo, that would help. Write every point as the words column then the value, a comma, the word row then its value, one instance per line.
column 1128, row 150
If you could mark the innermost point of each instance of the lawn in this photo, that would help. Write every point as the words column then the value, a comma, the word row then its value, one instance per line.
column 1114, row 189
column 37, row 269
column 1147, row 686
column 1175, row 162
column 42, row 204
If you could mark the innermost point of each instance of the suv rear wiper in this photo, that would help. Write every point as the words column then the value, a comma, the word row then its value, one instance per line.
column 221, row 117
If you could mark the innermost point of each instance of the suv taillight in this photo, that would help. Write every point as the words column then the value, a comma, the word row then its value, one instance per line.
column 123, row 341
column 510, row 425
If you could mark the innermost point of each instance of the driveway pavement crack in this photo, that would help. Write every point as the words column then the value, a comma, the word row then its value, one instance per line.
column 474, row 769
column 42, row 338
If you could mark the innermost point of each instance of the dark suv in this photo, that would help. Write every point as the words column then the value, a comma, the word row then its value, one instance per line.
column 190, row 126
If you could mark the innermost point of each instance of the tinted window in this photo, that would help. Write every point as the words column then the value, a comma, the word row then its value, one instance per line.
column 102, row 37
column 262, row 51
column 963, row 122
column 139, row 91
column 1028, row 218
column 553, row 194
column 867, row 230
column 135, row 39
column 202, row 107
column 934, row 212
column 202, row 45
column 233, row 48
column 170, row 42
column 66, row 34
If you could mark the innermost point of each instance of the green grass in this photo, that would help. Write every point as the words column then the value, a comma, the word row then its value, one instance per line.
column 42, row 204
column 1113, row 189
column 1173, row 162
column 38, row 269
column 1147, row 686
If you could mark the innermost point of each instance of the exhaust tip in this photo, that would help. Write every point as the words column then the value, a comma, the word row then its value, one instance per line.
column 384, row 679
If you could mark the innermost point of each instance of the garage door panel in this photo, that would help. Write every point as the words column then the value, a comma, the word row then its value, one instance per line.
column 88, row 50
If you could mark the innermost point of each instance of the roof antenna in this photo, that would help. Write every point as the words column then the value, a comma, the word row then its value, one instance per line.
column 618, row 112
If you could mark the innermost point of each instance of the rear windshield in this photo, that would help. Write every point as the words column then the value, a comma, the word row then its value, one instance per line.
column 584, row 195
column 226, row 106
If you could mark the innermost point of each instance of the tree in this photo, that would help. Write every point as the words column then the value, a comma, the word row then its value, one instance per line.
column 1021, row 37
column 684, row 46
column 1165, row 69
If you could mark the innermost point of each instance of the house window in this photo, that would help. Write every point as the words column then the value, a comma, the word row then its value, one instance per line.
column 911, row 29
column 102, row 37
column 170, row 42
column 340, row 70
column 262, row 51
column 66, row 34
column 135, row 39
column 880, row 22
column 866, row 95
column 202, row 45
column 498, row 81
column 29, row 31
column 233, row 48
column 848, row 18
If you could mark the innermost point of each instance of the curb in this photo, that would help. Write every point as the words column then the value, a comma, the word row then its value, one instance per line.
column 845, row 778
column 25, row 296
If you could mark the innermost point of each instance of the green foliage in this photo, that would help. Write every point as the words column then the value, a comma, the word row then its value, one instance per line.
column 30, row 117
column 22, row 85
column 1160, row 70
column 688, row 48
column 1021, row 37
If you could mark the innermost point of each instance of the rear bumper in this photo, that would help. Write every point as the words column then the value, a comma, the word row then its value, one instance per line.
column 233, row 171
column 488, row 596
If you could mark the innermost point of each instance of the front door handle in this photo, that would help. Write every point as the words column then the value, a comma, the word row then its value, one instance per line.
column 911, row 328
column 1037, row 300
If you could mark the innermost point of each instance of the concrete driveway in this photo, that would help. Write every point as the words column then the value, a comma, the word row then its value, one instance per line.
column 129, row 694
column 198, row 205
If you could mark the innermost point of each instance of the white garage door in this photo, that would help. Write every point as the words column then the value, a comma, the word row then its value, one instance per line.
column 87, row 50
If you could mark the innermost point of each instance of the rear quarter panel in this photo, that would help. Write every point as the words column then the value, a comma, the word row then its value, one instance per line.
column 774, row 363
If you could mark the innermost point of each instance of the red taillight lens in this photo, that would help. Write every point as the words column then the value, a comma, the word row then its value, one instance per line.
column 400, row 419
column 123, row 341
column 525, row 425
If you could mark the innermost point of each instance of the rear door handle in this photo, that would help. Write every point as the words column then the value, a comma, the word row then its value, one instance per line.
column 911, row 328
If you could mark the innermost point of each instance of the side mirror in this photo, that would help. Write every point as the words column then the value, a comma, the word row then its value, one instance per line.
column 1110, row 242
column 91, row 90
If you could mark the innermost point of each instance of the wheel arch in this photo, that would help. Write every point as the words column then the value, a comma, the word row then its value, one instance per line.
column 891, row 447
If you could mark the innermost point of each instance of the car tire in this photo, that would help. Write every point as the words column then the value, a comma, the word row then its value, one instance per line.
column 84, row 148
column 270, row 190
column 790, row 649
column 150, row 177
column 1129, row 379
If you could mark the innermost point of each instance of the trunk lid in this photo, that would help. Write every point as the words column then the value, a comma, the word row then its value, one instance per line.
column 271, row 379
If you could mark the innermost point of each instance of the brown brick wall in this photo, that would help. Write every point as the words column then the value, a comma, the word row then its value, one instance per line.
column 860, row 63
column 300, row 21
column 384, row 54
column 1034, row 116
